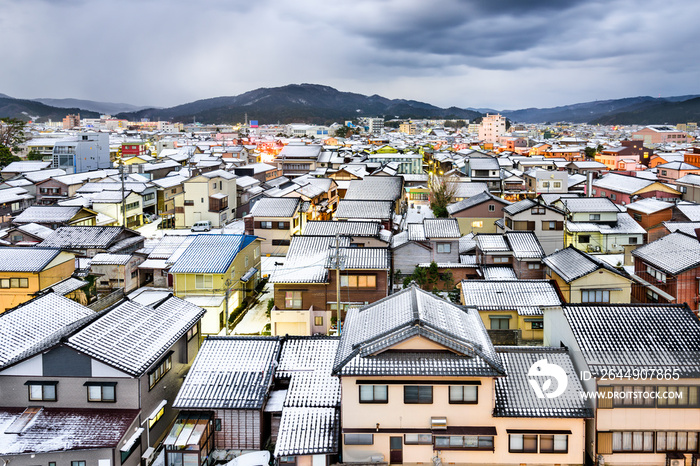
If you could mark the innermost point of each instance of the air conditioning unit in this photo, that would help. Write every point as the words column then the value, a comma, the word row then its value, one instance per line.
column 677, row 462
column 438, row 423
column 376, row 458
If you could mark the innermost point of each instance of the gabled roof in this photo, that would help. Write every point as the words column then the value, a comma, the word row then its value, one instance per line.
column 649, row 206
column 308, row 431
column 434, row 228
column 83, row 237
column 475, row 200
column 490, row 243
column 376, row 188
column 330, row 228
column 524, row 245
column 281, row 207
column 132, row 337
column 22, row 259
column 519, row 206
column 300, row 151
column 571, row 264
column 47, row 214
column 307, row 259
column 652, row 337
column 621, row 183
column 691, row 211
column 520, row 295
column 364, row 209
column 673, row 254
column 211, row 253
column 515, row 396
column 371, row 331
column 29, row 328
column 230, row 373
column 588, row 204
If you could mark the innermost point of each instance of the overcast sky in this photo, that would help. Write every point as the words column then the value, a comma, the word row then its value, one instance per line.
column 502, row 54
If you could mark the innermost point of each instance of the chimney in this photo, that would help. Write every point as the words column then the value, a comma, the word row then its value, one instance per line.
column 589, row 183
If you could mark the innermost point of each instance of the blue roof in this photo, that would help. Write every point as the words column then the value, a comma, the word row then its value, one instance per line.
column 211, row 253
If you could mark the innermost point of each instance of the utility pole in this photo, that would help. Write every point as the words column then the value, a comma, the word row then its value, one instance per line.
column 337, row 279
column 227, row 284
column 121, row 171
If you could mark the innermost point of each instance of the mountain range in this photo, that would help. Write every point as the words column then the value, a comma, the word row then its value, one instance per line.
column 313, row 103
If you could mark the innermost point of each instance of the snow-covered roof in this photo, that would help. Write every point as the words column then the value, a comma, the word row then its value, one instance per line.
column 47, row 214
column 372, row 329
column 75, row 237
column 25, row 166
column 307, row 259
column 308, row 363
column 329, row 228
column 280, row 207
column 376, row 188
column 509, row 294
column 308, row 431
column 498, row 272
column 514, row 396
column 672, row 253
column 230, row 373
column 132, row 337
column 211, row 253
column 649, row 206
column 571, row 264
column 475, row 200
column 621, row 183
column 657, row 338
column 364, row 209
column 22, row 259
column 110, row 259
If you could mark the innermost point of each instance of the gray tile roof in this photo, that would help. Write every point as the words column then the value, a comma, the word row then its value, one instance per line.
column 467, row 243
column 329, row 228
column 29, row 328
column 436, row 228
column 82, row 237
column 621, row 183
column 509, row 295
column 67, row 286
column 637, row 336
column 230, row 373
column 211, row 253
column 673, row 254
column 110, row 259
column 376, row 188
column 686, row 227
column 589, row 204
column 132, row 337
column 515, row 396
column 519, row 206
column 475, row 200
column 47, row 214
column 649, row 206
column 300, row 151
column 276, row 207
column 625, row 225
column 361, row 258
column 571, row 264
column 370, row 209
column 167, row 246
column 467, row 189
column 524, row 245
column 308, row 363
column 22, row 259
column 498, row 272
column 373, row 329
column 691, row 211
column 308, row 431
column 492, row 243
column 307, row 259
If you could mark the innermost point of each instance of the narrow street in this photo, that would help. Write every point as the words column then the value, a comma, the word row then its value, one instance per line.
column 256, row 318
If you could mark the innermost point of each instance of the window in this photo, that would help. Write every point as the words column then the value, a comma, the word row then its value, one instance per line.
column 156, row 418
column 538, row 210
column 533, row 266
column 217, row 425
column 633, row 442
column 292, row 300
column 678, row 396
column 42, row 391
column 281, row 226
column 203, row 282
column 633, row 240
column 266, row 225
column 374, row 393
column 658, row 275
column 537, row 325
column 584, row 239
column 652, row 297
column 19, row 283
column 545, row 184
column 595, row 296
column 256, row 252
column 466, row 442
column 613, row 196
column 492, row 208
column 501, row 260
column 676, row 441
column 192, row 332
column 358, row 281
column 418, row 394
column 468, row 394
column 639, row 396
column 663, row 172
column 101, row 391
column 281, row 242
column 359, row 439
column 556, row 184
column 556, row 443
column 418, row 439
column 593, row 217
column 477, row 224
column 525, row 443
column 161, row 369
column 445, row 248
column 318, row 321
column 499, row 323
column 77, row 463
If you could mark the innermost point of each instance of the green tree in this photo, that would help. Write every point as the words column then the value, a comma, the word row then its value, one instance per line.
column 12, row 133
column 34, row 155
column 6, row 157
column 590, row 152
column 344, row 132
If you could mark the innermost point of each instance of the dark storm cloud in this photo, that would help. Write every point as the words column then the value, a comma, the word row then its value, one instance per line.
column 447, row 52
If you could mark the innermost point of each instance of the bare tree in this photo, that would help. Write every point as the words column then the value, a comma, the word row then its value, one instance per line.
column 442, row 190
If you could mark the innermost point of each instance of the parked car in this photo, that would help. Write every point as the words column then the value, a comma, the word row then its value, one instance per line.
column 204, row 225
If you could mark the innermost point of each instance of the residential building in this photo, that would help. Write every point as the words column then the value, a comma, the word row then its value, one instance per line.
column 360, row 234
column 409, row 363
column 25, row 271
column 86, row 388
column 366, row 210
column 217, row 273
column 116, row 271
column 18, row 168
column 71, row 121
column 29, row 234
column 584, row 278
column 660, row 134
column 484, row 170
column 546, row 221
column 641, row 419
column 14, row 201
column 57, row 216
column 210, row 196
column 170, row 200
column 666, row 271
column 546, row 181
column 306, row 299
column 491, row 128
column 670, row 172
column 651, row 214
column 518, row 251
column 275, row 220
column 85, row 152
column 689, row 186
column 598, row 225
column 478, row 213
column 624, row 189
column 89, row 241
column 378, row 188
column 298, row 159
column 511, row 310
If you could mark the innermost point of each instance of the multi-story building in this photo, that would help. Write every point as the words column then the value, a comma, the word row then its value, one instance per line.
column 660, row 134
column 210, row 196
column 491, row 128
column 275, row 220
column 545, row 221
column 85, row 152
